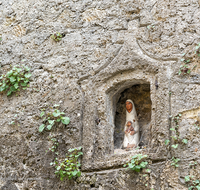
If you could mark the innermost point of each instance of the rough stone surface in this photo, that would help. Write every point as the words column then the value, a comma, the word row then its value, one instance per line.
column 108, row 47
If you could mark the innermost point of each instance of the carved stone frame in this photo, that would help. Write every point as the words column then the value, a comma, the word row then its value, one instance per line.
column 108, row 84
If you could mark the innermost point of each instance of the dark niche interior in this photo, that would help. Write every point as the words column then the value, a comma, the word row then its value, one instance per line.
column 140, row 95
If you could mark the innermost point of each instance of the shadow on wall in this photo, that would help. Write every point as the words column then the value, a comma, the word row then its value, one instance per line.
column 140, row 95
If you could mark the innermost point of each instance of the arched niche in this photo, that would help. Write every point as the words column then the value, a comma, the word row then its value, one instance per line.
column 140, row 92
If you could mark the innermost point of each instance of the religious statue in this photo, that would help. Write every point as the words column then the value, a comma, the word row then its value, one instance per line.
column 131, row 129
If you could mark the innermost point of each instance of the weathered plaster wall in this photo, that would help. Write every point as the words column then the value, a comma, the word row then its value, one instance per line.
column 109, row 45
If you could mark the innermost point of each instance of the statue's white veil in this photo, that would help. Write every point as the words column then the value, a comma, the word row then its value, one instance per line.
column 132, row 115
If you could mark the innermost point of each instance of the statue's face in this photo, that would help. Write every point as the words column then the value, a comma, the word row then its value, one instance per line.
column 129, row 124
column 129, row 106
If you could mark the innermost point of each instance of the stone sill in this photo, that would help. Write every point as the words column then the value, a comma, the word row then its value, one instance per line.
column 121, row 157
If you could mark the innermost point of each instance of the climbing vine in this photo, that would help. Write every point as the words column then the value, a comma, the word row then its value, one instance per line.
column 187, row 61
column 175, row 136
column 70, row 165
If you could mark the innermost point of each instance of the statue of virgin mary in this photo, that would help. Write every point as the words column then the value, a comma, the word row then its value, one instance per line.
column 131, row 129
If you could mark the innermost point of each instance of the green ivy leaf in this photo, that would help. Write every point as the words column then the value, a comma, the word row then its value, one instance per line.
column 167, row 142
column 187, row 178
column 56, row 105
column 27, row 68
column 185, row 141
column 78, row 174
column 74, row 173
column 56, row 113
column 49, row 127
column 41, row 128
column 12, row 79
column 71, row 150
column 143, row 164
column 28, row 75
column 51, row 122
column 23, row 84
column 16, row 85
column 9, row 93
column 9, row 73
column 65, row 120
column 58, row 168
column 42, row 113
column 198, row 187
column 175, row 146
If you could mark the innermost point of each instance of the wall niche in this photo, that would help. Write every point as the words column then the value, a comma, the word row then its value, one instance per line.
column 140, row 95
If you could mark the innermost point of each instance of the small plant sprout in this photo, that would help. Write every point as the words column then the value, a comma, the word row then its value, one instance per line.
column 167, row 142
column 185, row 60
column 185, row 141
column 70, row 165
column 15, row 120
column 184, row 69
column 56, row 36
column 174, row 137
column 174, row 162
column 15, row 79
column 49, row 119
column 172, row 129
column 148, row 170
column 187, row 178
column 137, row 163
column 151, row 26
column 193, row 163
column 55, row 144
column 197, row 51
column 175, row 146
column 197, row 125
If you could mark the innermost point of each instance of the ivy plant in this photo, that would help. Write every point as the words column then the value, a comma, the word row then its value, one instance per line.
column 184, row 69
column 192, row 184
column 55, row 144
column 137, row 162
column 50, row 118
column 56, row 36
column 14, row 79
column 185, row 141
column 70, row 166
column 174, row 162
column 175, row 135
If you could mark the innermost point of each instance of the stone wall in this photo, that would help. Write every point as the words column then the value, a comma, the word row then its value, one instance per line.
column 108, row 47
